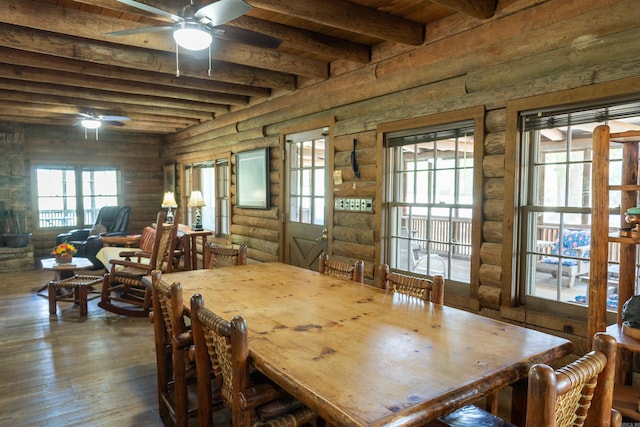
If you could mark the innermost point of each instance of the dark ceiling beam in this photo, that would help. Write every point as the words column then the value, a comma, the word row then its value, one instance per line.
column 128, row 57
column 70, row 114
column 91, row 26
column 123, row 98
column 482, row 9
column 53, row 63
column 10, row 95
column 308, row 41
column 37, row 75
column 350, row 17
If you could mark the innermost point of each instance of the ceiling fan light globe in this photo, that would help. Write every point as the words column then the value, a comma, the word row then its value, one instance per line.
column 192, row 36
column 90, row 123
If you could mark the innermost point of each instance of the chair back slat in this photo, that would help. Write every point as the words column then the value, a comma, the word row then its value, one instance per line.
column 220, row 256
column 344, row 270
column 222, row 347
column 419, row 287
column 172, row 345
column 164, row 244
column 575, row 395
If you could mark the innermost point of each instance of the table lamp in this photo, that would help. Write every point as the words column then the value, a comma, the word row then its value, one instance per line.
column 196, row 201
column 169, row 201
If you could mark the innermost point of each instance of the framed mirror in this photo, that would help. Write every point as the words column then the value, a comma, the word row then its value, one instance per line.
column 252, row 179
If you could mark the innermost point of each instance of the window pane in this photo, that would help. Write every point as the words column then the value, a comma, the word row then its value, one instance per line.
column 294, row 183
column 318, row 211
column 306, row 182
column 294, row 209
column 430, row 193
column 56, row 197
column 318, row 182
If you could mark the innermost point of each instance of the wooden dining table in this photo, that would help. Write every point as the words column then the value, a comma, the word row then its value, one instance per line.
column 362, row 356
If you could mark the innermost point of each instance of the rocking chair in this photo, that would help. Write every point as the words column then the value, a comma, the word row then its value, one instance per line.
column 123, row 291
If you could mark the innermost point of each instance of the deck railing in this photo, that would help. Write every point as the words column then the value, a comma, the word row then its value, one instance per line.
column 457, row 231
column 64, row 218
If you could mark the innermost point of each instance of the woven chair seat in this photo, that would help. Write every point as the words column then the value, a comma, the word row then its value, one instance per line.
column 131, row 273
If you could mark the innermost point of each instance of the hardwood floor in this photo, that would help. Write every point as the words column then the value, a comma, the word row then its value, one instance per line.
column 68, row 370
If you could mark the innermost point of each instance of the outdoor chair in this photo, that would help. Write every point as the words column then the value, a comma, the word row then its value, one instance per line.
column 425, row 289
column 575, row 244
column 578, row 394
column 341, row 269
column 123, row 291
column 221, row 256
column 222, row 347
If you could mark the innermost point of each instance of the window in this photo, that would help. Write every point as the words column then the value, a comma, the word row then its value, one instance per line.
column 212, row 179
column 306, row 154
column 555, row 210
column 429, row 197
column 71, row 196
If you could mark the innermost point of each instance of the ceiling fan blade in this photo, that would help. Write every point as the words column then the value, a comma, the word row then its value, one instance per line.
column 139, row 31
column 222, row 11
column 241, row 35
column 113, row 123
column 152, row 9
column 114, row 118
column 86, row 115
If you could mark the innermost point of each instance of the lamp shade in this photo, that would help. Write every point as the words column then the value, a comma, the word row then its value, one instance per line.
column 169, row 200
column 192, row 35
column 196, row 200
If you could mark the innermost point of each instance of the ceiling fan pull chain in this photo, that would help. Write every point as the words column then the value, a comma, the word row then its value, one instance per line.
column 209, row 71
column 177, row 63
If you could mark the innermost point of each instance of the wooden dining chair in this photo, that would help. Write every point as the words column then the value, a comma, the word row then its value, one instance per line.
column 426, row 289
column 123, row 291
column 578, row 394
column 173, row 343
column 216, row 256
column 333, row 267
column 223, row 347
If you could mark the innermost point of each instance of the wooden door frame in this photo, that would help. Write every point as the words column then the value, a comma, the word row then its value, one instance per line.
column 321, row 122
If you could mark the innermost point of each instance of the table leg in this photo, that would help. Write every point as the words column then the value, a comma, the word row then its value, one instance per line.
column 51, row 290
column 194, row 253
column 519, row 402
column 81, row 298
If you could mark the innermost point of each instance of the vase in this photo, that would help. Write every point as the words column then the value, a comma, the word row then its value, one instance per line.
column 64, row 258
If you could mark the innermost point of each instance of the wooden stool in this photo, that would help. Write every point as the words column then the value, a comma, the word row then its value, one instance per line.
column 80, row 286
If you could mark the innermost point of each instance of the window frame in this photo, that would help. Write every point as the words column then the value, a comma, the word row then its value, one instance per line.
column 193, row 182
column 477, row 116
column 80, row 212
column 512, row 273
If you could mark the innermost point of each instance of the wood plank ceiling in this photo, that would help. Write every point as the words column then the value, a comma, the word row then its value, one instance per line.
column 56, row 59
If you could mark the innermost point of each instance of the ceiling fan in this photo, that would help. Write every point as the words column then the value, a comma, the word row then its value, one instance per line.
column 194, row 29
column 92, row 120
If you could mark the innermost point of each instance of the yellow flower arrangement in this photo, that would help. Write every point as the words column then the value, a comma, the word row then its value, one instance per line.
column 63, row 248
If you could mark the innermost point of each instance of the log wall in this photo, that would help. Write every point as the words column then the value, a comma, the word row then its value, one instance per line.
column 136, row 155
column 528, row 48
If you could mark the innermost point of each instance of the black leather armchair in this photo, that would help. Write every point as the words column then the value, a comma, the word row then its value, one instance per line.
column 111, row 221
